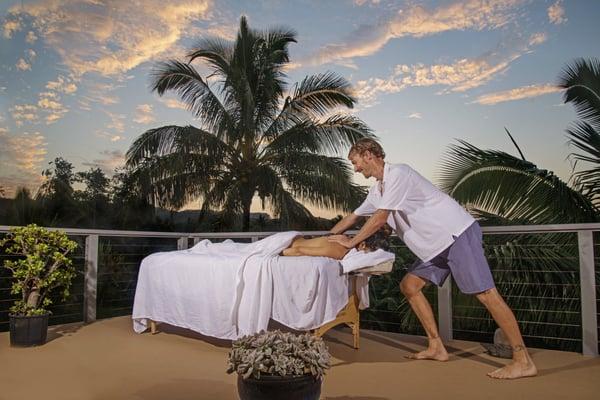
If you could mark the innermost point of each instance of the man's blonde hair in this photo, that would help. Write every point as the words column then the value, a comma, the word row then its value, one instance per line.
column 367, row 144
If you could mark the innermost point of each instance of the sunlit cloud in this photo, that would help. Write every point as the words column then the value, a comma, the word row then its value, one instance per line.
column 144, row 114
column 23, row 65
column 363, row 2
column 22, row 113
column 109, row 38
column 556, row 13
column 31, row 37
column 109, row 136
column 21, row 158
column 11, row 26
column 117, row 121
column 537, row 38
column 173, row 103
column 112, row 159
column 50, row 103
column 517, row 94
column 459, row 76
column 63, row 85
column 418, row 21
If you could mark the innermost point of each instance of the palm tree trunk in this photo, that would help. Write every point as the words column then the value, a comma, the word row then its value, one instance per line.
column 246, row 216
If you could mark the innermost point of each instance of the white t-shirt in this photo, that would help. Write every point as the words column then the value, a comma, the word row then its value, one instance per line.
column 424, row 217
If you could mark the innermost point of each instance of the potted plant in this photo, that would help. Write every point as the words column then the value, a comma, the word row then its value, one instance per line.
column 278, row 365
column 41, row 266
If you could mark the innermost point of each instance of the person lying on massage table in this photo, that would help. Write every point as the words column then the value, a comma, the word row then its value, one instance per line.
column 320, row 246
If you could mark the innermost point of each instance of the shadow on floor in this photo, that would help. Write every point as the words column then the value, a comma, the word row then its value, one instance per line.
column 58, row 331
column 186, row 389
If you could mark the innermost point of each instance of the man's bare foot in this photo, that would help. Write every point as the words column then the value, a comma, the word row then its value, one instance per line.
column 515, row 370
column 430, row 354
column 435, row 351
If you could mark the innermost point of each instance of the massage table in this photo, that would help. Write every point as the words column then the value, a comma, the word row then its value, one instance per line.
column 214, row 291
column 350, row 314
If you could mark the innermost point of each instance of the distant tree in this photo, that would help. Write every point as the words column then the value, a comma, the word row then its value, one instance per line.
column 95, row 197
column 56, row 194
column 131, row 208
column 252, row 138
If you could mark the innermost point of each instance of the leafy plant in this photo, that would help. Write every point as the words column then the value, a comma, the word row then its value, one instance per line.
column 43, row 266
column 278, row 353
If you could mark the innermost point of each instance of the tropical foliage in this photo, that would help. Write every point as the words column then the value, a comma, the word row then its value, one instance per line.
column 254, row 136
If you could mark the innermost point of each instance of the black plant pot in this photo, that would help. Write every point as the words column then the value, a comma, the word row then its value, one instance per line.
column 278, row 387
column 28, row 331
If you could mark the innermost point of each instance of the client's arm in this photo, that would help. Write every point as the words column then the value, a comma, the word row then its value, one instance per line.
column 336, row 251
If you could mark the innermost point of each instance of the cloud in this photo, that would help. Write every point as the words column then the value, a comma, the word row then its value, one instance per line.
column 100, row 93
column 31, row 38
column 173, row 103
column 112, row 159
column 110, row 38
column 21, row 158
column 556, row 13
column 24, row 113
column 23, row 65
column 363, row 2
column 49, row 102
column 517, row 94
column 117, row 121
column 459, row 76
column 415, row 115
column 109, row 136
column 63, row 85
column 144, row 114
column 11, row 26
column 417, row 21
column 537, row 38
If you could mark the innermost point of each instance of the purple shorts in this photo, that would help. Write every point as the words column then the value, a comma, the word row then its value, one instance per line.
column 464, row 259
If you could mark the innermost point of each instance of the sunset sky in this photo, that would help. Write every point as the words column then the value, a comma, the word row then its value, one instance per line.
column 74, row 74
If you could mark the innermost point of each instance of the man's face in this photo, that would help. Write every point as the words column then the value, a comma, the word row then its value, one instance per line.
column 362, row 163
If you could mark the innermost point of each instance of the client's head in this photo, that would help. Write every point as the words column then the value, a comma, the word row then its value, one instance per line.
column 378, row 240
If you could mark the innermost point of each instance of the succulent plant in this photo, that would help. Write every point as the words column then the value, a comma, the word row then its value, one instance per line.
column 277, row 353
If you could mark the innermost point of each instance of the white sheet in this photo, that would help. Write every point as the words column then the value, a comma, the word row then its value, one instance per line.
column 227, row 290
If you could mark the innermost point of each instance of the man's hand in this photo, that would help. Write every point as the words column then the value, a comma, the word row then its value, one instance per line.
column 341, row 239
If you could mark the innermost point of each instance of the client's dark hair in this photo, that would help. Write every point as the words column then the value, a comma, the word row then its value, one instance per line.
column 379, row 240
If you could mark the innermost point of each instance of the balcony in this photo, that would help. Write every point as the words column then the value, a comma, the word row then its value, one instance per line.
column 93, row 352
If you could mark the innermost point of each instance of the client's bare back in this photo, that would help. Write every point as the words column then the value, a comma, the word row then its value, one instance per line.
column 318, row 246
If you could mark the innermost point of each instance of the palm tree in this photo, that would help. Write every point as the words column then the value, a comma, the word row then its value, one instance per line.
column 252, row 138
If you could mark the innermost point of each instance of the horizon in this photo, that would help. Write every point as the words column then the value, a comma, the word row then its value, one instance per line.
column 74, row 80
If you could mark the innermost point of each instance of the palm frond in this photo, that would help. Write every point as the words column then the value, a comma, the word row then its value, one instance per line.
column 511, row 188
column 332, row 136
column 172, row 180
column 177, row 139
column 584, row 137
column 319, row 180
column 195, row 92
column 581, row 79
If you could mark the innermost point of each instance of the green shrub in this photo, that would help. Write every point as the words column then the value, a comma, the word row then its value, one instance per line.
column 43, row 266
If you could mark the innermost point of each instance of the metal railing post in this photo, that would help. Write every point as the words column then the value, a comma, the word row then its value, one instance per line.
column 587, row 277
column 90, row 285
column 444, row 300
column 182, row 243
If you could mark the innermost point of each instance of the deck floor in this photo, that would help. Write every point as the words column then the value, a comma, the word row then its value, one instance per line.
column 107, row 360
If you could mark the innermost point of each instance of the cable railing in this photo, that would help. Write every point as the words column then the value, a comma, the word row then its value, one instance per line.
column 549, row 275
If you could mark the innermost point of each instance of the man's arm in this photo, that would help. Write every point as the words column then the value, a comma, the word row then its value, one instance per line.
column 345, row 223
column 372, row 225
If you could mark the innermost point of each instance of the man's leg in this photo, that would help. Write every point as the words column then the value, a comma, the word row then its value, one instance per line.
column 411, row 286
column 522, row 364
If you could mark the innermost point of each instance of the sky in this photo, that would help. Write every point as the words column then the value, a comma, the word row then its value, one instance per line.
column 74, row 74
